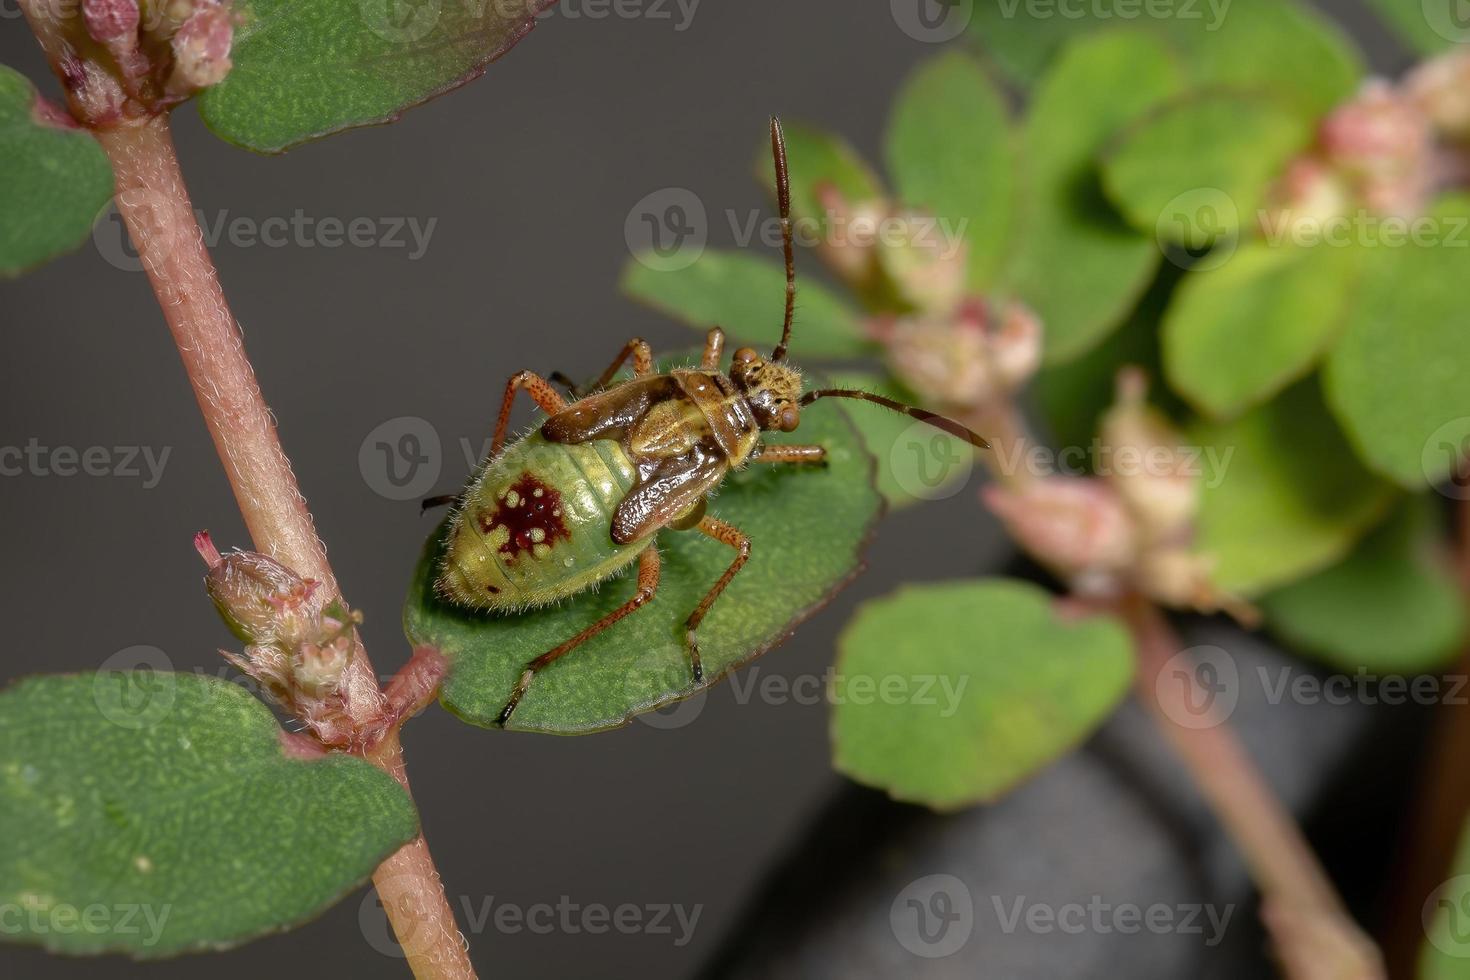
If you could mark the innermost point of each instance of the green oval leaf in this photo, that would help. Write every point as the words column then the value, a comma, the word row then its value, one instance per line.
column 1229, row 147
column 1398, row 377
column 916, row 461
column 1277, row 47
column 1012, row 686
column 746, row 295
column 156, row 813
column 807, row 528
column 1393, row 606
column 1077, row 263
column 1237, row 334
column 306, row 70
column 1292, row 499
column 57, row 180
column 951, row 151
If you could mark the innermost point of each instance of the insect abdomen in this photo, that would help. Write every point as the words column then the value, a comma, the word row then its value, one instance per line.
column 535, row 525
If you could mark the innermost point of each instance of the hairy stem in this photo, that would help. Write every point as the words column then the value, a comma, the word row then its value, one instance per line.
column 1314, row 937
column 154, row 203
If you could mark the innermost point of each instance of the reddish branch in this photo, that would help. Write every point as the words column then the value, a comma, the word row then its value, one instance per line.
column 153, row 201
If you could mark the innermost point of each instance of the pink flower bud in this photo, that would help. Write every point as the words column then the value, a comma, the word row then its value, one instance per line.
column 850, row 233
column 110, row 20
column 202, row 48
column 1440, row 88
column 1076, row 526
column 1147, row 462
column 1015, row 346
column 1307, row 196
column 1379, row 130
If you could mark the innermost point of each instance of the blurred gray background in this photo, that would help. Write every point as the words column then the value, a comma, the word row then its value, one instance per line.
column 529, row 175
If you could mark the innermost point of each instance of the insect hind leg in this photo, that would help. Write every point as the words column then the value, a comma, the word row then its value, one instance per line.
column 734, row 537
column 648, row 577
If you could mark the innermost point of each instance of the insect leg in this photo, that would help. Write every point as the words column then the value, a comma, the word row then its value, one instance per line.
column 790, row 454
column 558, row 378
column 714, row 346
column 642, row 355
column 648, row 574
column 734, row 537
column 540, row 391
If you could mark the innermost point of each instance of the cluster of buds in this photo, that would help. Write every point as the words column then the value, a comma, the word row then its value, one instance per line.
column 967, row 358
column 129, row 57
column 1388, row 150
column 961, row 351
column 298, row 644
column 1131, row 527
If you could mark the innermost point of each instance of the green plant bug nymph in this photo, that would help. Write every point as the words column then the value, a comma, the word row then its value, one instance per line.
column 571, row 504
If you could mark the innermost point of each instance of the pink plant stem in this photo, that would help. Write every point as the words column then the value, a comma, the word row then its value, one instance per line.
column 154, row 203
column 1315, row 938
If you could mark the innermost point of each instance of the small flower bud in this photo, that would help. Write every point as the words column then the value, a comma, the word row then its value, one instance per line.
column 1384, row 140
column 1440, row 88
column 1015, row 346
column 850, row 234
column 1306, row 197
column 110, row 20
column 1147, row 463
column 1077, row 526
column 202, row 48
column 260, row 600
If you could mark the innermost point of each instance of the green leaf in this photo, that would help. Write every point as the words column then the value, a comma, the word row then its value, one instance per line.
column 156, row 813
column 1213, row 146
column 916, row 461
column 1292, row 497
column 807, row 527
column 1393, row 606
column 1076, row 262
column 1428, row 26
column 1239, row 333
column 746, row 295
column 952, row 694
column 1278, row 47
column 57, row 180
column 951, row 151
column 306, row 70
column 1397, row 378
column 816, row 157
column 1447, row 946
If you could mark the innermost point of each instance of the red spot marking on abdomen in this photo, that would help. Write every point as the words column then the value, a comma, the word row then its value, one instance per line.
column 530, row 512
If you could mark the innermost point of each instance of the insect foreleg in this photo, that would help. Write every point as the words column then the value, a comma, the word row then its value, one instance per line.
column 714, row 346
column 547, row 397
column 789, row 454
column 648, row 575
column 734, row 537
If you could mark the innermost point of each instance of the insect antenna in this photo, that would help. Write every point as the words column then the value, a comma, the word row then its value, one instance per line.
column 783, row 200
column 938, row 421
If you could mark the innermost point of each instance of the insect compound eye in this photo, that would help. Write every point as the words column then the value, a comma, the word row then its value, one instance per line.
column 789, row 418
column 744, row 355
